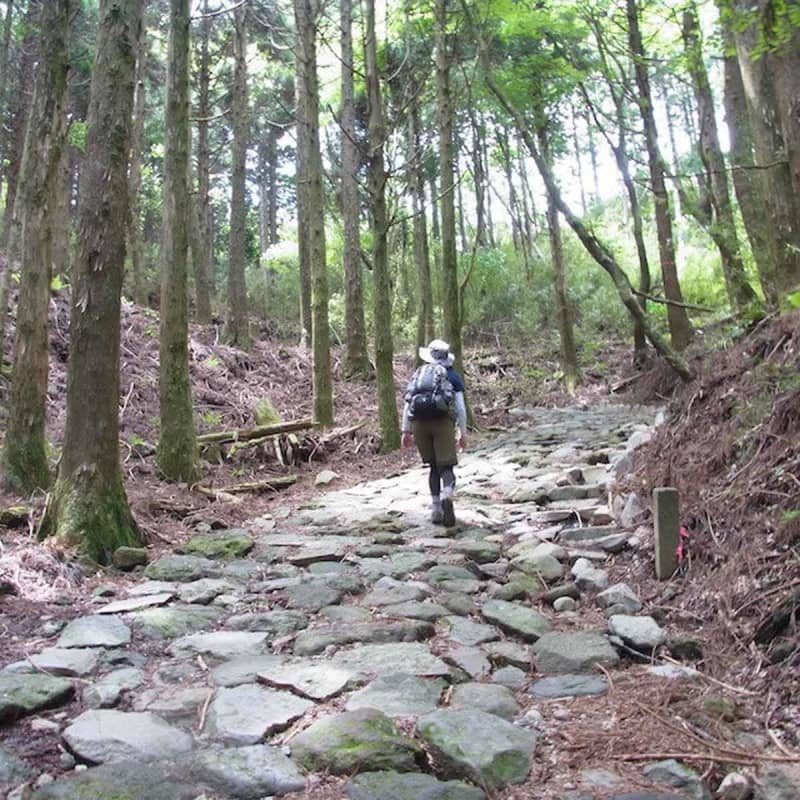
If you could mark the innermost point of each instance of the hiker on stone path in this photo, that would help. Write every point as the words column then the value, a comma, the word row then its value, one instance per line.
column 434, row 405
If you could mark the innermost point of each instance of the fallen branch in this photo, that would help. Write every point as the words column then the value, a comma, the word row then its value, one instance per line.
column 245, row 434
column 273, row 484
column 754, row 759
column 666, row 302
column 340, row 433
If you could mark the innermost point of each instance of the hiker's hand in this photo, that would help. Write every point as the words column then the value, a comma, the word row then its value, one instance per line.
column 408, row 439
column 462, row 443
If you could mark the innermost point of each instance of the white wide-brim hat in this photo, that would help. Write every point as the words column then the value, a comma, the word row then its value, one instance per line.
column 437, row 352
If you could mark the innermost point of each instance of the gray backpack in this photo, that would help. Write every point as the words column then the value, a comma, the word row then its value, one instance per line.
column 429, row 394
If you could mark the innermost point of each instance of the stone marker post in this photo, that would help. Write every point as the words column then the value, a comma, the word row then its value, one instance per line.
column 665, row 510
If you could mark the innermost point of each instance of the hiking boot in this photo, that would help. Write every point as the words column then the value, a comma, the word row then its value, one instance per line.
column 437, row 516
column 448, row 514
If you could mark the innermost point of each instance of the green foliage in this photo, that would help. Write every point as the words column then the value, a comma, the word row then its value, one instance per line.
column 77, row 135
column 794, row 299
column 211, row 419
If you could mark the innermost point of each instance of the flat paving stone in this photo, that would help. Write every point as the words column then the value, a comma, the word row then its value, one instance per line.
column 102, row 735
column 382, row 659
column 204, row 590
column 399, row 695
column 277, row 622
column 312, row 596
column 316, row 640
column 408, row 786
column 13, row 769
column 516, row 619
column 471, row 659
column 67, row 661
column 243, row 669
column 569, row 686
column 493, row 699
column 95, row 631
column 465, row 631
column 316, row 680
column 182, row 568
column 178, row 705
column 573, row 652
column 246, row 714
column 173, row 621
column 429, row 612
column 220, row 644
column 136, row 603
column 24, row 693
column 106, row 692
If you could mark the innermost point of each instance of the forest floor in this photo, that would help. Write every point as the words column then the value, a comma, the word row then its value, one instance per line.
column 729, row 444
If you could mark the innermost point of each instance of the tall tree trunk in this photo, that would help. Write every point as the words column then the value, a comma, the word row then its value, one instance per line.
column 425, row 332
column 679, row 325
column 25, row 452
column 445, row 116
column 356, row 360
column 88, row 506
column 723, row 228
column 20, row 106
column 203, row 260
column 592, row 158
column 302, row 185
column 486, row 172
column 238, row 324
column 382, row 291
column 306, row 15
column 478, row 134
column 134, row 221
column 566, row 335
column 5, row 46
column 770, row 155
column 177, row 444
column 60, row 218
column 748, row 182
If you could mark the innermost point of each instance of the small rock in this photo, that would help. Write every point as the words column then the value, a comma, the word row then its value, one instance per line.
column 510, row 677
column 408, row 786
column 325, row 477
column 735, row 786
column 672, row 773
column 126, row 558
column 564, row 604
column 641, row 633
column 620, row 594
column 493, row 699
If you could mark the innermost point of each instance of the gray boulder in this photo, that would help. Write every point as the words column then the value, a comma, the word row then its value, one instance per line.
column 24, row 693
column 573, row 652
column 408, row 786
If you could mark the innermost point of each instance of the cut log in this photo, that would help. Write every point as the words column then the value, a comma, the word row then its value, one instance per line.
column 273, row 484
column 339, row 433
column 261, row 431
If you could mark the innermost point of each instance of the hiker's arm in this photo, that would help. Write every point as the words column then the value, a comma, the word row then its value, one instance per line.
column 406, row 426
column 461, row 413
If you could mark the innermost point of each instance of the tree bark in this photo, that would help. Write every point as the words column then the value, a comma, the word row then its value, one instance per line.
column 566, row 336
column 722, row 227
column 88, row 506
column 306, row 15
column 780, row 206
column 134, row 222
column 356, row 360
column 679, row 325
column 238, row 325
column 302, row 186
column 748, row 182
column 382, row 291
column 24, row 458
column 177, row 446
column 576, row 150
column 445, row 118
column 425, row 332
column 203, row 260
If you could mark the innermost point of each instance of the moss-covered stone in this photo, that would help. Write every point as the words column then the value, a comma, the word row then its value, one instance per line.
column 126, row 558
column 265, row 413
column 356, row 741
column 23, row 693
column 224, row 545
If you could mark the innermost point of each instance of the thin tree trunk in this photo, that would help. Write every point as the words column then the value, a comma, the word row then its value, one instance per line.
column 382, row 291
column 238, row 325
column 134, row 221
column 576, row 150
column 486, row 172
column 481, row 238
column 24, row 458
column 599, row 252
column 306, row 16
column 302, row 183
column 445, row 117
column 88, row 506
column 566, row 336
column 356, row 360
column 203, row 260
column 723, row 228
column 679, row 325
column 593, row 157
column 425, row 332
column 60, row 217
column 177, row 446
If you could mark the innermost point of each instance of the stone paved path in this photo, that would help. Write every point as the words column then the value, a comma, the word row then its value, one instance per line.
column 354, row 638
